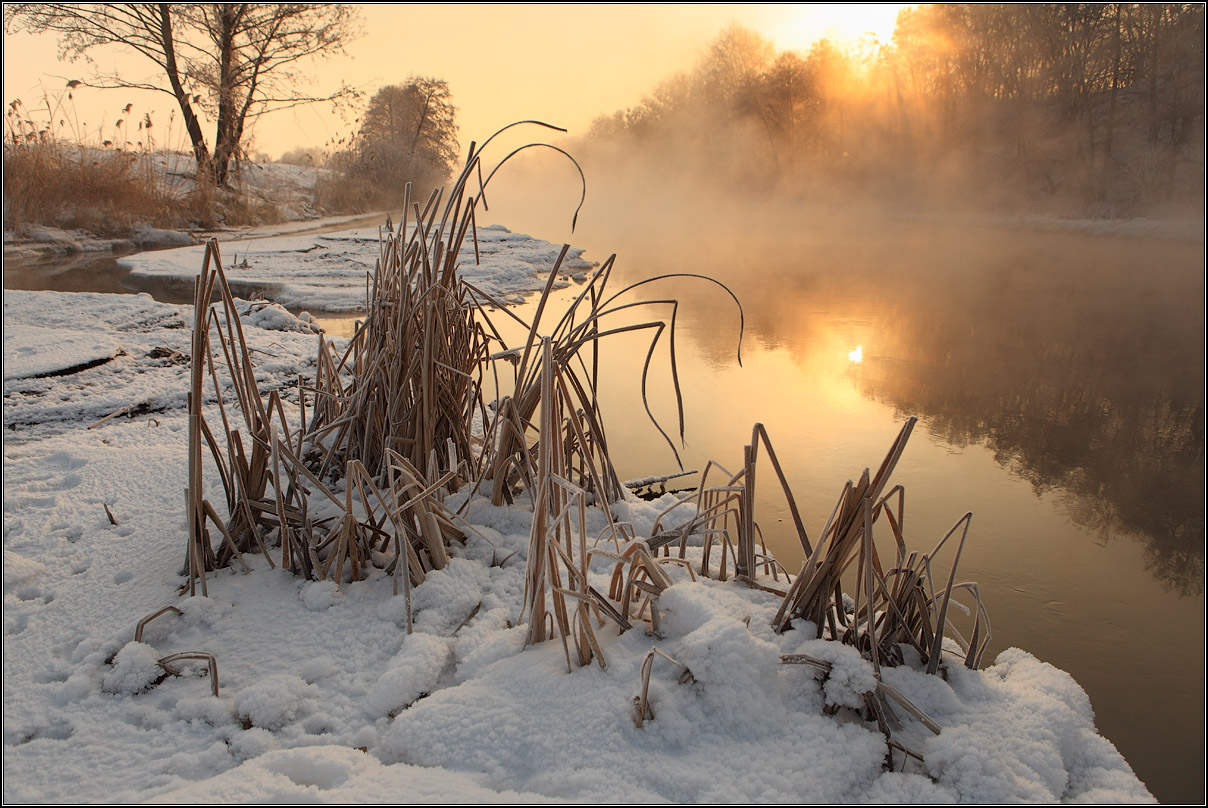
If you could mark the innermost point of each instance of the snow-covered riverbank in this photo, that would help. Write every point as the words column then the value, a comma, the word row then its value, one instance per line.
column 327, row 271
column 324, row 697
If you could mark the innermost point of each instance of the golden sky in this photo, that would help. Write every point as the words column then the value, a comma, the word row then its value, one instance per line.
column 565, row 64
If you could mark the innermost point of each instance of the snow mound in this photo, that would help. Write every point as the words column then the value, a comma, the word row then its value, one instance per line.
column 411, row 674
column 145, row 236
column 274, row 317
column 275, row 701
column 135, row 668
column 336, row 774
column 19, row 570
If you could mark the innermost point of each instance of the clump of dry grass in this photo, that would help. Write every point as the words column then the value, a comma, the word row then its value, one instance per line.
column 398, row 419
column 410, row 379
column 58, row 175
column 391, row 422
column 269, row 487
column 53, row 184
column 907, row 604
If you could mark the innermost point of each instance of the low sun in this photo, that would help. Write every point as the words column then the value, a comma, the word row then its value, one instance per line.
column 804, row 24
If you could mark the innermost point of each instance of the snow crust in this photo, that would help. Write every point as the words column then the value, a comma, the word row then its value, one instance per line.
column 328, row 271
column 149, row 343
column 324, row 697
column 38, row 351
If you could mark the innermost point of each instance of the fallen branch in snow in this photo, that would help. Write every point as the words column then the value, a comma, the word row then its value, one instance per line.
column 646, row 482
column 114, row 414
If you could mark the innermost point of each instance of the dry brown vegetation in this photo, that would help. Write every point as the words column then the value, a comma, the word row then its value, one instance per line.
column 107, row 187
column 399, row 418
column 108, row 193
column 46, row 184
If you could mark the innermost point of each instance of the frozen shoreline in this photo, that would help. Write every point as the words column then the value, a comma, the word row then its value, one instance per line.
column 450, row 713
column 327, row 271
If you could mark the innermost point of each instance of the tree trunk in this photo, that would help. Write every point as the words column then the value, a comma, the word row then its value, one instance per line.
column 201, row 153
column 1155, row 34
column 1108, row 167
column 1117, row 33
column 229, row 130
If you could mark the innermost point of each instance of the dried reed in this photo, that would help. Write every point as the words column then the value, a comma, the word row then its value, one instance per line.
column 391, row 429
column 575, row 344
column 391, row 422
column 900, row 606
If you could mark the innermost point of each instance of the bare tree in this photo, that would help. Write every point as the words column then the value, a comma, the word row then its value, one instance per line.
column 734, row 63
column 788, row 98
column 410, row 130
column 233, row 61
column 408, row 133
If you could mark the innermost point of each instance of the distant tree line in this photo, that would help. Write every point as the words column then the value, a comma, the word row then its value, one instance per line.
column 1098, row 106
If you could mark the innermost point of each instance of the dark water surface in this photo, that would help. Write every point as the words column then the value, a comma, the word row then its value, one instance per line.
column 1059, row 383
column 86, row 272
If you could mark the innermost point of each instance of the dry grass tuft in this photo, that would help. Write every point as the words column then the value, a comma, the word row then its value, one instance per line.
column 56, row 174
column 391, row 424
column 50, row 183
column 357, row 480
column 904, row 605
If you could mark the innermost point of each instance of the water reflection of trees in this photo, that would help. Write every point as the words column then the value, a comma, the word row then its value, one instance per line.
column 1131, row 466
column 1077, row 360
column 1084, row 380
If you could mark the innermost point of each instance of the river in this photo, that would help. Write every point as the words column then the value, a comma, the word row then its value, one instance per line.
column 1059, row 382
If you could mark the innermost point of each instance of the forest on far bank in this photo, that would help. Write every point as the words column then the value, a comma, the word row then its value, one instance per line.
column 1075, row 108
column 1072, row 109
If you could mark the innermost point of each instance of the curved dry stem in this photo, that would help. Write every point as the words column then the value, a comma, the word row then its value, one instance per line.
column 734, row 297
column 583, row 179
column 942, row 617
column 142, row 624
